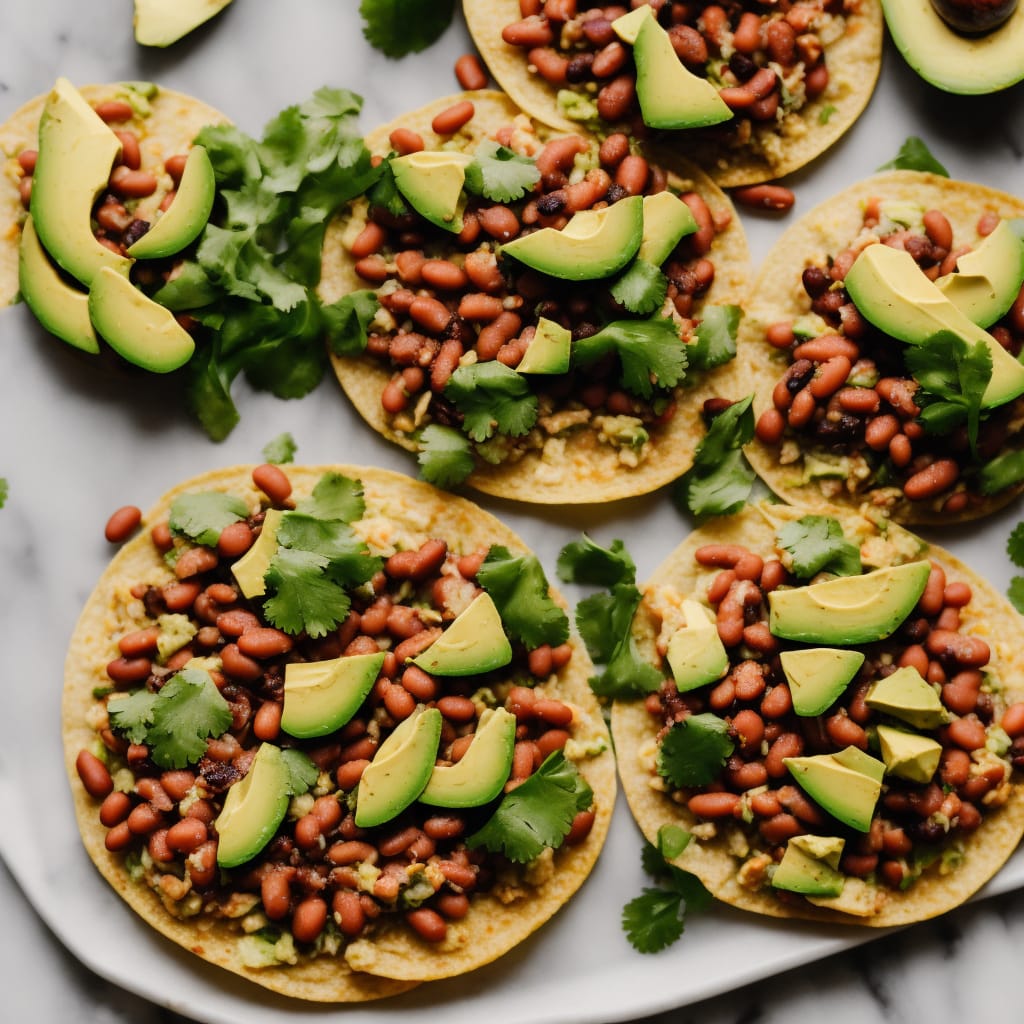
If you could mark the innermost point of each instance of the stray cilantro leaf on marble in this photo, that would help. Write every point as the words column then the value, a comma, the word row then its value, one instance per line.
column 400, row 27
column 914, row 155
column 280, row 450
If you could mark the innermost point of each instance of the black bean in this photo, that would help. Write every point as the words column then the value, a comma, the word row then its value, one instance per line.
column 135, row 231
column 815, row 281
column 742, row 66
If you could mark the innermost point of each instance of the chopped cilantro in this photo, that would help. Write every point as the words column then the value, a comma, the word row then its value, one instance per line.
column 1016, row 593
column 914, row 155
column 302, row 772
column 3, row 491
column 693, row 751
column 583, row 561
column 176, row 722
column 715, row 337
column 445, row 455
column 1003, row 471
column 400, row 27
column 203, row 515
column 520, row 592
column 500, row 174
column 348, row 320
column 536, row 814
column 825, row 114
column 280, row 450
column 719, row 481
column 817, row 544
column 641, row 288
column 650, row 351
column 492, row 397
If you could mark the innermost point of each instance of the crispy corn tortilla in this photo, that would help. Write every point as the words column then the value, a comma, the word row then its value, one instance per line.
column 775, row 149
column 589, row 471
column 778, row 295
column 989, row 615
column 393, row 959
column 173, row 122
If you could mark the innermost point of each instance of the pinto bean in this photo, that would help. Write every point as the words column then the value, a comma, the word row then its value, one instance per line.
column 531, row 31
column 264, row 642
column 499, row 222
column 932, row 480
column 764, row 197
column 94, row 775
column 452, row 118
column 469, row 72
column 789, row 744
column 703, row 238
column 615, row 98
column 713, row 805
column 969, row 651
column 430, row 314
column 405, row 141
column 968, row 733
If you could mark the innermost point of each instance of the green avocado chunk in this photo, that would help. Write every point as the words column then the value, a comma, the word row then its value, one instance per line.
column 61, row 309
column 988, row 278
column 891, row 291
column 817, row 676
column 906, row 695
column 909, row 755
column 321, row 696
column 253, row 808
column 950, row 60
column 250, row 569
column 848, row 794
column 811, row 868
column 475, row 642
column 667, row 219
column 549, row 351
column 133, row 325
column 432, row 181
column 480, row 775
column 594, row 244
column 77, row 151
column 162, row 22
column 400, row 769
column 851, row 609
column 187, row 215
column 695, row 653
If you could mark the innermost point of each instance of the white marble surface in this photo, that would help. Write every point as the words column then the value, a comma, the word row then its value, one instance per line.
column 76, row 444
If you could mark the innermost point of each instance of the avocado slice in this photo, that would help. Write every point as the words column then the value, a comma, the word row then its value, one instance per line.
column 77, row 151
column 483, row 770
column 949, row 60
column 321, row 696
column 891, row 291
column 400, row 769
column 906, row 695
column 594, row 244
column 475, row 642
column 695, row 653
column 858, row 761
column 250, row 569
column 988, row 278
column 817, row 676
column 432, row 181
column 667, row 219
column 549, row 350
column 847, row 794
column 253, row 808
column 136, row 327
column 909, row 755
column 187, row 215
column 61, row 309
column 162, row 22
column 811, row 868
column 851, row 609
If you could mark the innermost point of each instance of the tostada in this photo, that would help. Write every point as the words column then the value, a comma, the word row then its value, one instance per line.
column 540, row 312
column 328, row 730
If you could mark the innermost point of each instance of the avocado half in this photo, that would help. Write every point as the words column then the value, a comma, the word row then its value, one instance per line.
column 951, row 61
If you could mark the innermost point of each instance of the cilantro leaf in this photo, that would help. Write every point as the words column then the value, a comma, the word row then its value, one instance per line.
column 348, row 320
column 3, row 491
column 445, row 455
column 499, row 173
column 953, row 377
column 715, row 336
column 203, row 515
column 1015, row 545
column 693, row 751
column 652, row 921
column 491, row 396
column 650, row 351
column 817, row 544
column 304, row 597
column 520, row 592
column 385, row 193
column 399, row 27
column 176, row 722
column 302, row 772
column 720, row 479
column 914, row 155
column 1003, row 471
column 583, row 561
column 280, row 450
column 347, row 559
column 641, row 288
column 1015, row 592
column 334, row 497
column 537, row 813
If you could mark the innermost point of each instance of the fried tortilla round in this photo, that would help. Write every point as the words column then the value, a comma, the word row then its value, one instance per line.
column 715, row 860
column 778, row 295
column 165, row 123
column 773, row 149
column 587, row 471
column 391, row 959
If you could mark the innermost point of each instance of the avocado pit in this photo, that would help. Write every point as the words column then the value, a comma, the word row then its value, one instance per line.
column 974, row 17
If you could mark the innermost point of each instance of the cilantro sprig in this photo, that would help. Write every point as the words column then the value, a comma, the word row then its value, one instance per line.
column 641, row 288
column 280, row 450
column 536, row 814
column 1015, row 549
column 656, row 918
column 492, row 397
column 499, row 173
column 715, row 337
column 816, row 544
column 651, row 353
column 175, row 722
column 694, row 750
column 914, row 155
column 201, row 516
column 445, row 455
column 400, row 27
